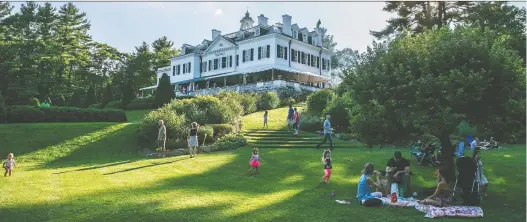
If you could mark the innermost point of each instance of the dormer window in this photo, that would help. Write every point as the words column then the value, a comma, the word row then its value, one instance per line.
column 304, row 37
column 257, row 31
column 295, row 33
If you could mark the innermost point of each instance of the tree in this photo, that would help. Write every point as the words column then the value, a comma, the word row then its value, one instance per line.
column 163, row 51
column 164, row 92
column 107, row 96
column 128, row 94
column 418, row 16
column 90, row 98
column 3, row 114
column 434, row 92
column 76, row 99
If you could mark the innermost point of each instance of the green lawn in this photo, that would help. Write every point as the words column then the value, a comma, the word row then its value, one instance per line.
column 90, row 172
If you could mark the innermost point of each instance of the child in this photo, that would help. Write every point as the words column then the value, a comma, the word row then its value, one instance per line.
column 296, row 117
column 255, row 160
column 265, row 119
column 326, row 159
column 382, row 181
column 9, row 164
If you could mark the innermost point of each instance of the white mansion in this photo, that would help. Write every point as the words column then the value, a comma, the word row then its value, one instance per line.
column 255, row 58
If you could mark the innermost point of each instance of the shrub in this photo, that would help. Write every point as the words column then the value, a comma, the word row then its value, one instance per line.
column 141, row 103
column 209, row 130
column 229, row 141
column 164, row 91
column 148, row 129
column 75, row 100
column 45, row 105
column 34, row 102
column 114, row 105
column 95, row 106
column 221, row 130
column 107, row 96
column 318, row 101
column 268, row 100
column 311, row 123
column 24, row 114
column 287, row 102
column 3, row 114
column 59, row 100
column 205, row 110
column 338, row 109
column 248, row 102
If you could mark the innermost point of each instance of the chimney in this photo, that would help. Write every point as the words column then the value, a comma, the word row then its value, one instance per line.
column 215, row 33
column 286, row 27
column 320, row 36
column 262, row 20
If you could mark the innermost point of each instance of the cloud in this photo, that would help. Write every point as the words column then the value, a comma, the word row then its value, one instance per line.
column 218, row 11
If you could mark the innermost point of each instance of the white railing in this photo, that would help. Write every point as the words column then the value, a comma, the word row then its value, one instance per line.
column 253, row 87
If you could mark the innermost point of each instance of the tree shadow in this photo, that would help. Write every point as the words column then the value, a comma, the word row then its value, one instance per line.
column 142, row 167
column 28, row 138
column 96, row 167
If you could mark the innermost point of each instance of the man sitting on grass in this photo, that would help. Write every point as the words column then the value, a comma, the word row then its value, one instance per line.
column 398, row 170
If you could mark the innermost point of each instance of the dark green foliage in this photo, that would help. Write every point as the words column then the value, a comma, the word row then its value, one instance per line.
column 287, row 102
column 248, row 101
column 311, row 123
column 76, row 99
column 318, row 101
column 95, row 106
column 228, row 142
column 34, row 102
column 268, row 100
column 107, row 96
column 221, row 130
column 164, row 91
column 115, row 105
column 205, row 130
column 3, row 114
column 338, row 109
column 148, row 129
column 465, row 129
column 128, row 94
column 28, row 114
column 89, row 98
column 207, row 110
column 141, row 103
column 60, row 100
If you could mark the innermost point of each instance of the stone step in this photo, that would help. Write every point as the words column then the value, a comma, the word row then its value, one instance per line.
column 286, row 138
column 305, row 142
column 301, row 146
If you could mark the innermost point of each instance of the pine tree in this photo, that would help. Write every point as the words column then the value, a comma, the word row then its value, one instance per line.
column 90, row 98
column 76, row 99
column 164, row 92
column 107, row 96
column 3, row 114
column 128, row 94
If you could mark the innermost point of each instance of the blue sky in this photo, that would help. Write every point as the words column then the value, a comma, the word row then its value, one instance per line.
column 126, row 24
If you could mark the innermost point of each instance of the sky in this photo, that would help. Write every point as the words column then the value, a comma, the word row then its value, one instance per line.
column 125, row 25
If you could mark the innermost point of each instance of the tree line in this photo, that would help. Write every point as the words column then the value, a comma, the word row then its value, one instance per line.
column 48, row 52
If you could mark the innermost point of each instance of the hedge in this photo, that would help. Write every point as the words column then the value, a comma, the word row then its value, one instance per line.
column 220, row 130
column 229, row 141
column 114, row 105
column 28, row 114
column 141, row 103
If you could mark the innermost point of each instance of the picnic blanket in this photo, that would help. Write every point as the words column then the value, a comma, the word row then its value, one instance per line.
column 401, row 202
column 454, row 211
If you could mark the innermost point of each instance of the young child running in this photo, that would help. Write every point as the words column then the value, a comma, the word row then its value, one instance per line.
column 9, row 164
column 265, row 120
column 255, row 160
column 326, row 159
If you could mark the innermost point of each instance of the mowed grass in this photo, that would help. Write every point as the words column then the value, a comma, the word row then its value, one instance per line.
column 90, row 172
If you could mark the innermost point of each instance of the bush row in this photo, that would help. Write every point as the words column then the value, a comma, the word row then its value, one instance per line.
column 229, row 141
column 29, row 114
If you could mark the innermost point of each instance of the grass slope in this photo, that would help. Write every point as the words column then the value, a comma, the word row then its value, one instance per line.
column 94, row 178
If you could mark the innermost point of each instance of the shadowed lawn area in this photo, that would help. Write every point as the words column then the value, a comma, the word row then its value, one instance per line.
column 135, row 116
column 99, row 181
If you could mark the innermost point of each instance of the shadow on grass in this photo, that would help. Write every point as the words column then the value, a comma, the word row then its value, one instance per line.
column 142, row 167
column 22, row 139
column 96, row 167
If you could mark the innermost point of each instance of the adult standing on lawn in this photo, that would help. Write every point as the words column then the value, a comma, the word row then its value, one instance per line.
column 327, row 133
column 290, row 117
column 193, row 139
column 161, row 138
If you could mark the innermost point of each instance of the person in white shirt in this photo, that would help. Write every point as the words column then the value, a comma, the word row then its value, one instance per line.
column 9, row 164
column 474, row 143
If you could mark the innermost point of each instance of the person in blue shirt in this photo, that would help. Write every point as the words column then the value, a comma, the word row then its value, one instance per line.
column 290, row 119
column 327, row 133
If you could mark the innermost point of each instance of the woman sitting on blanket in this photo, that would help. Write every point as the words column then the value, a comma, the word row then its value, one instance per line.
column 365, row 182
column 442, row 197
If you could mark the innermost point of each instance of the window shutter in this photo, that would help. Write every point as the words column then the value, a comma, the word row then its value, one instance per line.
column 318, row 62
column 210, row 65
column 259, row 53
column 285, row 53
column 230, row 61
column 252, row 54
column 308, row 60
column 189, row 67
column 277, row 51
column 173, row 70
column 268, row 53
column 184, row 68
column 243, row 57
column 237, row 60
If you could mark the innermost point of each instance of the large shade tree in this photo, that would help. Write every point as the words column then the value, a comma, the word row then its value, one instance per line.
column 428, row 84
